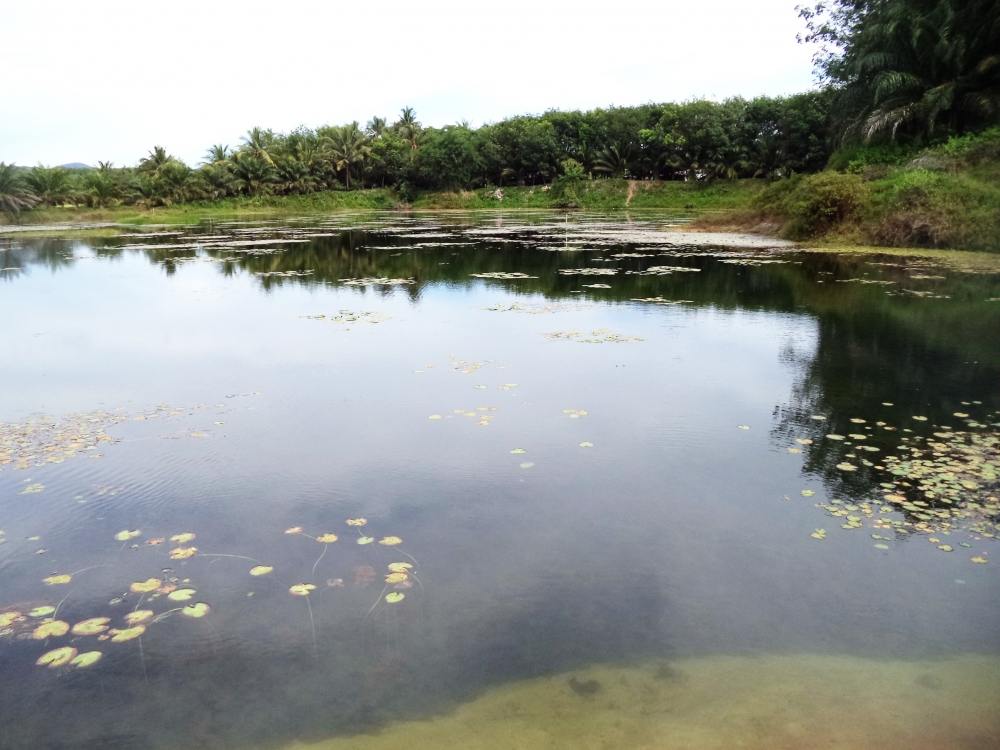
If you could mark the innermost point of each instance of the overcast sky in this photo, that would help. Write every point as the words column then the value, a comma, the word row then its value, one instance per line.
column 103, row 80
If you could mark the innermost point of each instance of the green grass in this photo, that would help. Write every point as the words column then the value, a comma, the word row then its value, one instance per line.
column 191, row 213
column 593, row 195
column 606, row 195
column 946, row 196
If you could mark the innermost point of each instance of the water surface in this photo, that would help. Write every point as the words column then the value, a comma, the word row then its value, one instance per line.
column 604, row 448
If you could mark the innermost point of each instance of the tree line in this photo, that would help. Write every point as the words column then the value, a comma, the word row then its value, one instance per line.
column 892, row 71
column 763, row 137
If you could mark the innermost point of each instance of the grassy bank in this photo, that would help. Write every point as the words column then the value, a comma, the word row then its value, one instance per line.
column 595, row 195
column 947, row 196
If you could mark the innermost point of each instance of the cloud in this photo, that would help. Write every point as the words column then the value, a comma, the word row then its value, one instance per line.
column 108, row 80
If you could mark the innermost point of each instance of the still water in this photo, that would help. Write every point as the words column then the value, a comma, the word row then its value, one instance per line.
column 492, row 481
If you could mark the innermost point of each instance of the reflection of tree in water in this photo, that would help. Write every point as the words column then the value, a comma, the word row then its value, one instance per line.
column 926, row 359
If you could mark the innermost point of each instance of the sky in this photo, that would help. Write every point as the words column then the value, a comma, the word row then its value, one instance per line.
column 108, row 80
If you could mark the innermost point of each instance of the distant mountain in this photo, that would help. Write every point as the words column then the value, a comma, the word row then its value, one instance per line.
column 76, row 165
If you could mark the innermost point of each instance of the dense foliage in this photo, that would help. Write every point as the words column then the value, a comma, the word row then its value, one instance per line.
column 909, row 69
column 698, row 140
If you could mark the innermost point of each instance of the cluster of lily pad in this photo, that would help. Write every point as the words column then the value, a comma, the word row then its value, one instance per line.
column 596, row 336
column 43, row 440
column 42, row 623
column 506, row 275
column 935, row 485
column 350, row 316
column 376, row 281
column 664, row 270
column 398, row 577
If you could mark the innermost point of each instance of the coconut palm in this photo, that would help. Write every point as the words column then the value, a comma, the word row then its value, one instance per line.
column 15, row 196
column 216, row 153
column 216, row 180
column 347, row 147
column 376, row 126
column 253, row 174
column 261, row 144
column 407, row 126
column 155, row 160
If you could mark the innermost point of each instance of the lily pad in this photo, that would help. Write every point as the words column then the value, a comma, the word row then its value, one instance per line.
column 327, row 538
column 92, row 626
column 9, row 618
column 139, row 616
column 121, row 636
column 301, row 589
column 43, row 611
column 366, row 539
column 58, row 579
column 50, row 629
column 200, row 609
column 144, row 587
column 396, row 577
column 86, row 659
column 357, row 521
column 261, row 570
column 181, row 595
column 183, row 538
column 394, row 597
column 183, row 553
column 390, row 541
column 124, row 535
column 400, row 567
column 58, row 657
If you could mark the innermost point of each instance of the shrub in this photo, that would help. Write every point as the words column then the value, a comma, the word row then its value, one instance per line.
column 813, row 204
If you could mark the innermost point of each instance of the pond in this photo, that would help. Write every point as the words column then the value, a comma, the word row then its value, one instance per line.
column 498, row 481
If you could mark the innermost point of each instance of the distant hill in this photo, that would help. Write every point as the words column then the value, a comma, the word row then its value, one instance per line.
column 76, row 165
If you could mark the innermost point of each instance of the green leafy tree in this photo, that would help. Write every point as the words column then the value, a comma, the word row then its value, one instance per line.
column 448, row 158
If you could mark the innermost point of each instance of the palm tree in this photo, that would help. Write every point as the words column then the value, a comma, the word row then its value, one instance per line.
column 15, row 196
column 216, row 153
column 917, row 66
column 260, row 143
column 407, row 126
column 216, row 180
column 376, row 126
column 614, row 160
column 252, row 173
column 155, row 160
column 49, row 184
column 347, row 146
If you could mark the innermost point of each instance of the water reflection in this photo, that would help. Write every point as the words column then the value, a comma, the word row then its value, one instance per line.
column 677, row 536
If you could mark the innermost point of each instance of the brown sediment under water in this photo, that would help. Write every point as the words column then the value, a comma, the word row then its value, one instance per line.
column 767, row 702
